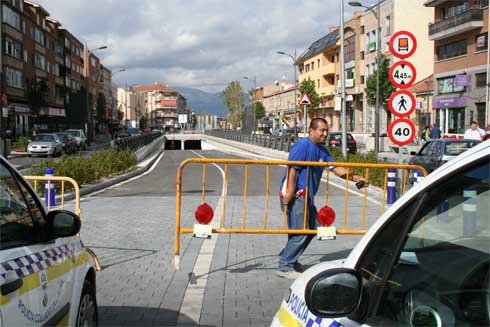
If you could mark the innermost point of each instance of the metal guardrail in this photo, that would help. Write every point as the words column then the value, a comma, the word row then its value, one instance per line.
column 134, row 142
column 279, row 226
column 281, row 143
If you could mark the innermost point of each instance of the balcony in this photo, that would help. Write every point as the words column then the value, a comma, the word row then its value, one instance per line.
column 328, row 69
column 457, row 24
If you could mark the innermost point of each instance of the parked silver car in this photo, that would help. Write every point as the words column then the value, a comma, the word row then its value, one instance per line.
column 48, row 144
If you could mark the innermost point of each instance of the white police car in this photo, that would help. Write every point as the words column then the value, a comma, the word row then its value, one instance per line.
column 46, row 275
column 425, row 262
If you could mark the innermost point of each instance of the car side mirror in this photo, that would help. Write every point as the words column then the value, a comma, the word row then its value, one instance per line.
column 63, row 223
column 334, row 293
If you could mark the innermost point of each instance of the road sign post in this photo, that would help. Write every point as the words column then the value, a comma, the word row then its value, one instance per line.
column 305, row 101
column 401, row 103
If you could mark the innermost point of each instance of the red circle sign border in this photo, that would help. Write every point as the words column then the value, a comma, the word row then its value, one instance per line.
column 392, row 125
column 392, row 97
column 392, row 48
column 399, row 63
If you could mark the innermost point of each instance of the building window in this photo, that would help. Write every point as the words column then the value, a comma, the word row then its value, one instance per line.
column 362, row 54
column 312, row 65
column 307, row 68
column 13, row 48
column 39, row 36
column 454, row 10
column 481, row 3
column 332, row 59
column 14, row 77
column 349, row 73
column 57, row 69
column 388, row 25
column 25, row 55
column 350, row 49
column 318, row 62
column 453, row 49
column 481, row 42
column 67, row 43
column 362, row 79
column 448, row 85
column 93, row 62
column 318, row 83
column 362, row 29
column 40, row 61
column 480, row 112
column 10, row 17
column 481, row 79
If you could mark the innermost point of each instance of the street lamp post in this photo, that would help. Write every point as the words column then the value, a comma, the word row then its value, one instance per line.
column 293, row 58
column 254, row 98
column 378, row 44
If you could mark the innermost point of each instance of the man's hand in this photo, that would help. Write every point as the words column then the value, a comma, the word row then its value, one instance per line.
column 286, row 199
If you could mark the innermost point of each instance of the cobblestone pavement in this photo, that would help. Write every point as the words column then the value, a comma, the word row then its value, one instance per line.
column 131, row 229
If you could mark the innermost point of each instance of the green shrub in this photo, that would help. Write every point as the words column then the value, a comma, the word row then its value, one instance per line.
column 376, row 176
column 21, row 142
column 86, row 170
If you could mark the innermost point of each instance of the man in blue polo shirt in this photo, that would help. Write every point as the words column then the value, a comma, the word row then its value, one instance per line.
column 293, row 191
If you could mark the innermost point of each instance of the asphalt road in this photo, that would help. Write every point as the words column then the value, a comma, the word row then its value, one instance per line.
column 131, row 228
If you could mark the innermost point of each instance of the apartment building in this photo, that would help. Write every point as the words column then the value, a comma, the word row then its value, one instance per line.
column 106, row 91
column 132, row 104
column 163, row 104
column 394, row 15
column 70, row 80
column 279, row 103
column 460, row 34
column 319, row 63
column 45, row 83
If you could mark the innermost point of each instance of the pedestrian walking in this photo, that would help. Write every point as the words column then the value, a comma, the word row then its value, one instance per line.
column 292, row 193
column 435, row 132
column 474, row 132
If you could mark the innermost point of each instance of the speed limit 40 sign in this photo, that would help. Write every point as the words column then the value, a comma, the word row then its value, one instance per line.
column 401, row 131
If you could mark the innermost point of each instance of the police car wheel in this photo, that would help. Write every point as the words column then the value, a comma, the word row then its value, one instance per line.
column 87, row 310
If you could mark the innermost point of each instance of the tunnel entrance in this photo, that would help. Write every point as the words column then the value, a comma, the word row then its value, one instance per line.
column 192, row 145
column 188, row 145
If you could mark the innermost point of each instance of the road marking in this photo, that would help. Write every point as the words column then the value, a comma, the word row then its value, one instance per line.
column 194, row 295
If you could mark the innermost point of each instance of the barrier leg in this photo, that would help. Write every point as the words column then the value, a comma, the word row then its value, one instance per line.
column 49, row 188
column 391, row 186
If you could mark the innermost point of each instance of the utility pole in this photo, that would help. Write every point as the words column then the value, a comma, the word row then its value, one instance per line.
column 342, row 77
column 3, row 95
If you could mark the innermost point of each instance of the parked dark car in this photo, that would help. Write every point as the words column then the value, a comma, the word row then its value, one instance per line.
column 334, row 139
column 435, row 153
column 70, row 144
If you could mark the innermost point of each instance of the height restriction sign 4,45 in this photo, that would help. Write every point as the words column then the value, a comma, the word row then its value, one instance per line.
column 402, row 74
column 401, row 131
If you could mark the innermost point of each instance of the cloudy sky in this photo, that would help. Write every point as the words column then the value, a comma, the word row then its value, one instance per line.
column 197, row 43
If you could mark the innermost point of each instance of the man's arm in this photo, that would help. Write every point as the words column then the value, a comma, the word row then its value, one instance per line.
column 290, row 186
column 342, row 172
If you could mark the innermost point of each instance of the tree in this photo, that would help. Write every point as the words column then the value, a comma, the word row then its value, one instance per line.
column 100, row 110
column 308, row 86
column 385, row 87
column 37, row 95
column 233, row 100
column 143, row 122
column 259, row 110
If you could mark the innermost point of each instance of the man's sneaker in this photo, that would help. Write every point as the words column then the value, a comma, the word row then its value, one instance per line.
column 299, row 267
column 291, row 274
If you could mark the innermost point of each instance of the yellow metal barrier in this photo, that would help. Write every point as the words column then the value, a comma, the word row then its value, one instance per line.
column 63, row 180
column 264, row 229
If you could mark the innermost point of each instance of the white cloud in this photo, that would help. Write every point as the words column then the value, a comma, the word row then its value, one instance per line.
column 197, row 43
